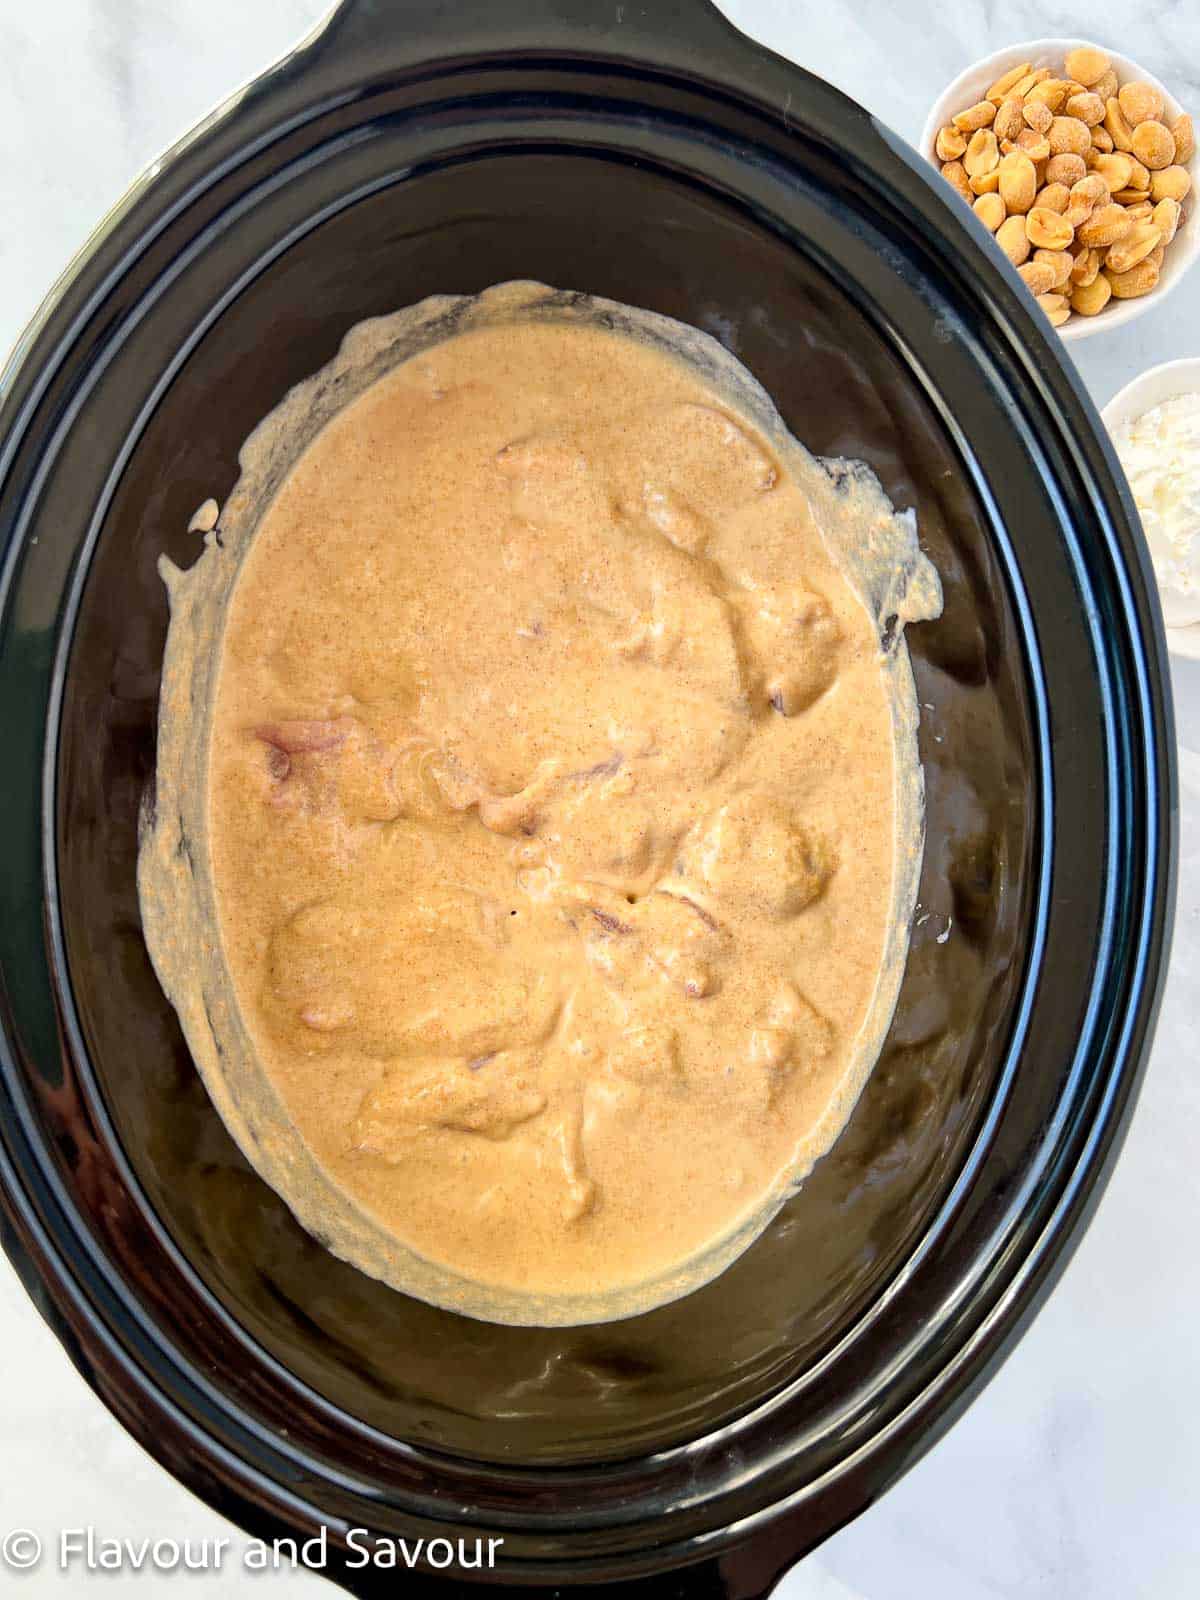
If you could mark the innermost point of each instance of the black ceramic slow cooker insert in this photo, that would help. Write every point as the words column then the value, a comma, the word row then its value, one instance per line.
column 651, row 154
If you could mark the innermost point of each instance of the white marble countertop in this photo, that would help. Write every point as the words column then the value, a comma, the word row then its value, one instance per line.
column 1076, row 1476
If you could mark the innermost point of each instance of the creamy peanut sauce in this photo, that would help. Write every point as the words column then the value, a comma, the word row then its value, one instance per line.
column 538, row 814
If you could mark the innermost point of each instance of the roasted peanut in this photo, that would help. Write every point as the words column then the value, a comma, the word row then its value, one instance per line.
column 1004, row 83
column 1056, row 308
column 981, row 115
column 1037, row 277
column 1117, row 124
column 986, row 182
column 1141, row 102
column 1091, row 188
column 1031, row 79
column 1087, row 107
column 1105, row 226
column 1048, row 230
column 1116, row 170
column 950, row 144
column 1066, row 135
column 955, row 175
column 1066, row 169
column 1037, row 115
column 1184, row 137
column 1153, row 145
column 1013, row 240
column 1136, row 282
column 1130, row 197
column 1107, row 86
column 1087, row 267
column 1172, row 183
column 1054, row 197
column 983, row 153
column 1010, row 118
column 1085, row 196
column 1060, row 263
column 1101, row 139
column 1139, row 175
column 1166, row 218
column 1087, row 64
column 1050, row 92
column 1091, row 297
column 1018, row 181
column 1134, row 247
column 1141, row 212
column 1035, row 145
column 991, row 211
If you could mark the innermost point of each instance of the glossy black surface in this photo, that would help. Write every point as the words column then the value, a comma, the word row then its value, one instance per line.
column 670, row 164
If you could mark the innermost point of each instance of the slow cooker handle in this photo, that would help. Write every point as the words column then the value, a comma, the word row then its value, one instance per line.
column 396, row 33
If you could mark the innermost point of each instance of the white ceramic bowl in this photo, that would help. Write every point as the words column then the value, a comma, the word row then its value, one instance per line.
column 974, row 83
column 1151, row 389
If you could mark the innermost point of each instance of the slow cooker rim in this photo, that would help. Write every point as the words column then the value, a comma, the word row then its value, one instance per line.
column 1098, row 1128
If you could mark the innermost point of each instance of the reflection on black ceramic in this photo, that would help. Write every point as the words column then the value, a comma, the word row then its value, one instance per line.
column 286, row 1387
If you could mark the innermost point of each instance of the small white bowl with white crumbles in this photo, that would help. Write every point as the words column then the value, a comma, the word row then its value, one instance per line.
column 1155, row 425
column 1121, row 249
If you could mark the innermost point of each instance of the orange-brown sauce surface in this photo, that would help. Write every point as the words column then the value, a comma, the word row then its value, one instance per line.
column 551, row 809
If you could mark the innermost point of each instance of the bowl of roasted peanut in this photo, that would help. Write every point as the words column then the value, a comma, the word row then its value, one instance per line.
column 1080, row 165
